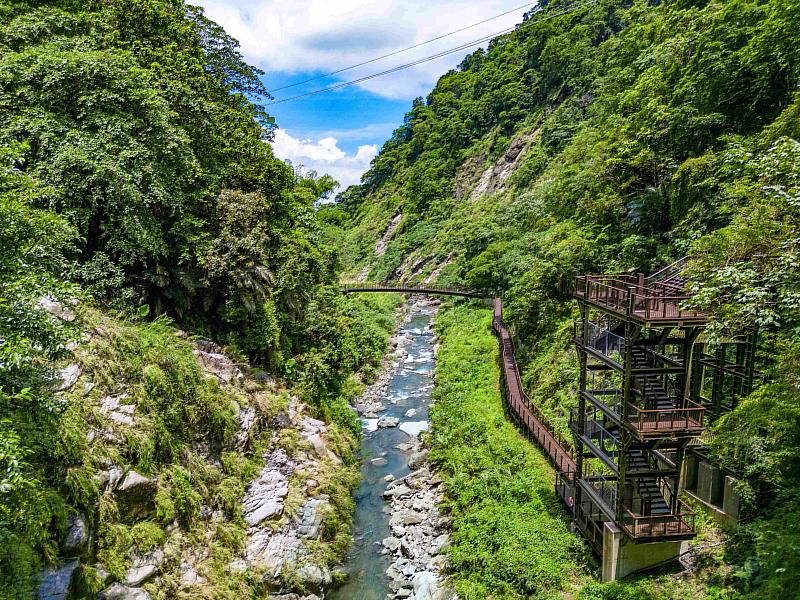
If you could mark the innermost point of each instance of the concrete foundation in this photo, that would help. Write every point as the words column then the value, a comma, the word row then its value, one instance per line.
column 690, row 473
column 730, row 502
column 622, row 557
column 707, row 482
column 713, row 489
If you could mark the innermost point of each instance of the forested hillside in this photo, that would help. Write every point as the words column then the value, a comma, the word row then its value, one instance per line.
column 137, row 190
column 618, row 137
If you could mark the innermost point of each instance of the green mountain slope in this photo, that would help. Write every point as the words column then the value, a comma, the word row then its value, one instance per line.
column 616, row 137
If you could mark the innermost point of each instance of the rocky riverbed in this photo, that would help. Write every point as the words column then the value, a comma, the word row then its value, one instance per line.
column 399, row 531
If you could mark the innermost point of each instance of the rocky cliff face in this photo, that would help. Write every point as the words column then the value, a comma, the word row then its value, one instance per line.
column 202, row 476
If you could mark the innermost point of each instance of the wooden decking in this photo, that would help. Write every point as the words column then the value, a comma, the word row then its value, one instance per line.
column 526, row 414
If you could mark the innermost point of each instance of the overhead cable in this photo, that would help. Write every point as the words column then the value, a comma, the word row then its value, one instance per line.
column 396, row 52
column 345, row 84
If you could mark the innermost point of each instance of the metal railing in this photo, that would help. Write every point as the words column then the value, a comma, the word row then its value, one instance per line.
column 606, row 442
column 605, row 487
column 669, row 273
column 666, row 420
column 446, row 290
column 590, row 524
column 623, row 294
column 559, row 450
column 655, row 526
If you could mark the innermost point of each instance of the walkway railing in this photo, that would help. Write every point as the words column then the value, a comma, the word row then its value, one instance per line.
column 624, row 295
column 526, row 413
column 657, row 526
column 349, row 287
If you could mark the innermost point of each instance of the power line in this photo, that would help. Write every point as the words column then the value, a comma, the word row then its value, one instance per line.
column 428, row 58
column 396, row 52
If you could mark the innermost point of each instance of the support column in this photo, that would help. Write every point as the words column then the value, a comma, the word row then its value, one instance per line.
column 612, row 536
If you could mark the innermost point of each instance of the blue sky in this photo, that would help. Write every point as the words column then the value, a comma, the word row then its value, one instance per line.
column 292, row 40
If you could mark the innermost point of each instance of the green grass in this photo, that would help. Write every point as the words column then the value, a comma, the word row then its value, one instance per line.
column 510, row 536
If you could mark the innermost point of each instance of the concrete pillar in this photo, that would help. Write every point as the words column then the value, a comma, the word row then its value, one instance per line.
column 707, row 482
column 621, row 556
column 612, row 536
column 690, row 472
column 635, row 557
column 730, row 502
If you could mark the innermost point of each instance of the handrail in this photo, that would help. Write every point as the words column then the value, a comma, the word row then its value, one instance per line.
column 670, row 271
column 641, row 526
column 653, row 303
column 558, row 450
column 447, row 290
column 666, row 420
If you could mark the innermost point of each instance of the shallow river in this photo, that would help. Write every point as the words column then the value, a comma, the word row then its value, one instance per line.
column 409, row 388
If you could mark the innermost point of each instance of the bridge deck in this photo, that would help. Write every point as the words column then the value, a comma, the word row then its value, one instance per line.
column 351, row 287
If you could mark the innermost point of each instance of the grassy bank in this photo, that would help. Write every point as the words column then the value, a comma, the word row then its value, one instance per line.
column 510, row 536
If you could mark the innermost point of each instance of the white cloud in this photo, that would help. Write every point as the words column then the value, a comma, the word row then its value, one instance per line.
column 324, row 156
column 301, row 36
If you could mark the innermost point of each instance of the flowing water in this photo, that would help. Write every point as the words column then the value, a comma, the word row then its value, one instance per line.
column 409, row 388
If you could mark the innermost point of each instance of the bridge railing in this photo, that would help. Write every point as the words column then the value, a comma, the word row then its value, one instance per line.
column 558, row 449
column 424, row 288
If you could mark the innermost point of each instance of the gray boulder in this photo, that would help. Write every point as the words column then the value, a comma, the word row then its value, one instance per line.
column 417, row 459
column 136, row 496
column 426, row 585
column 314, row 577
column 76, row 541
column 138, row 575
column 55, row 581
column 121, row 592
column 68, row 377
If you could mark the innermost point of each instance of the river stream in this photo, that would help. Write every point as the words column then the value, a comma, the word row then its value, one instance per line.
column 385, row 453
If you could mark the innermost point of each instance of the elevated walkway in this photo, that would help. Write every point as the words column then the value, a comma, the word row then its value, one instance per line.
column 351, row 287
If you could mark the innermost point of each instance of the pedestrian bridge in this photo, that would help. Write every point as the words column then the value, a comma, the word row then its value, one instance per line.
column 350, row 287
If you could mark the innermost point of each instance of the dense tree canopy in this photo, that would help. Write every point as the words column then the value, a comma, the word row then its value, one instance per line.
column 135, row 175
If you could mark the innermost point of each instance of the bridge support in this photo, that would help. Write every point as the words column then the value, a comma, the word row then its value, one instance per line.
column 621, row 557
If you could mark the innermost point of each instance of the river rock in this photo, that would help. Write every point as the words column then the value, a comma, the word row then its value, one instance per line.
column 388, row 422
column 426, row 585
column 55, row 581
column 411, row 412
column 76, row 540
column 122, row 592
column 417, row 459
column 407, row 517
column 314, row 577
column 397, row 491
column 391, row 543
